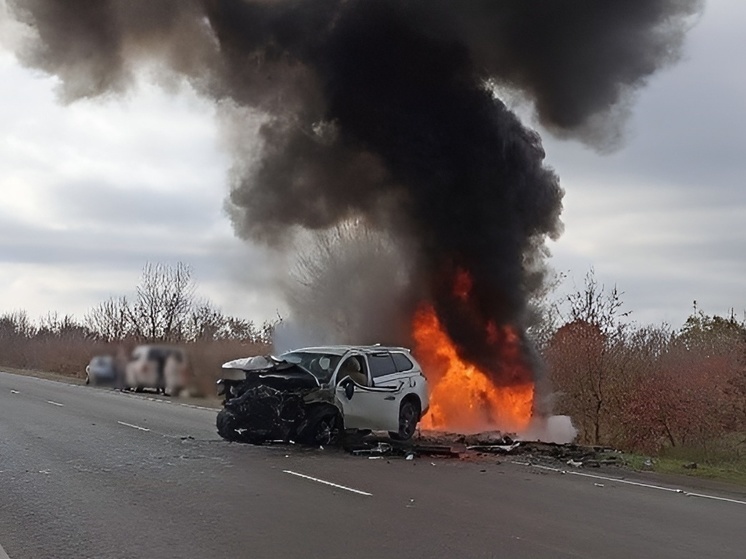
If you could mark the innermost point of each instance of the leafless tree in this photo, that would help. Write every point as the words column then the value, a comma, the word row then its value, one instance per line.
column 163, row 303
column 109, row 320
column 205, row 322
column 16, row 324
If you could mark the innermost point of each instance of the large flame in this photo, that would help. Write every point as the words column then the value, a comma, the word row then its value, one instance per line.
column 463, row 398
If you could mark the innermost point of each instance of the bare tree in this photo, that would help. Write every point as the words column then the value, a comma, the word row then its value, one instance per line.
column 165, row 296
column 205, row 322
column 109, row 320
column 16, row 324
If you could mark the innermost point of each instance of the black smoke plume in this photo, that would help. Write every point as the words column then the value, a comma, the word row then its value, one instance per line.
column 385, row 111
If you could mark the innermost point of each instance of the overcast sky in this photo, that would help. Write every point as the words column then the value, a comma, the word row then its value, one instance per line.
column 94, row 190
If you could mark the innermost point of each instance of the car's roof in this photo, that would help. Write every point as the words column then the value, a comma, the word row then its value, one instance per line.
column 342, row 349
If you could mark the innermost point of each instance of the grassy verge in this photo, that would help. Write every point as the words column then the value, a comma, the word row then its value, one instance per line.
column 731, row 470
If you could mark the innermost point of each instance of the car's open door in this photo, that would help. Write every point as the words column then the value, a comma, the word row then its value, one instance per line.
column 369, row 407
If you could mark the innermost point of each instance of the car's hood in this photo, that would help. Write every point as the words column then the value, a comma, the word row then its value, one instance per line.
column 256, row 363
column 269, row 370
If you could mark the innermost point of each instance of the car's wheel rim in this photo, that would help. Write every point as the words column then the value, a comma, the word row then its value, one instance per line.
column 325, row 430
column 407, row 420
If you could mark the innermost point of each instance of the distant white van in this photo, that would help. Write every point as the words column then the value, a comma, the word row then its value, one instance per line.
column 164, row 368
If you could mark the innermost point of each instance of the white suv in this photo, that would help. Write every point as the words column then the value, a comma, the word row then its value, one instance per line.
column 313, row 395
column 164, row 368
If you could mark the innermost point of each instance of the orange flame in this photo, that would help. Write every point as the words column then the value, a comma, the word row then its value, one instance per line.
column 462, row 397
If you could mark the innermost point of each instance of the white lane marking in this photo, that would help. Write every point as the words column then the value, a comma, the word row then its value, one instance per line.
column 635, row 483
column 133, row 426
column 628, row 482
column 55, row 403
column 317, row 480
column 12, row 392
column 3, row 555
column 703, row 496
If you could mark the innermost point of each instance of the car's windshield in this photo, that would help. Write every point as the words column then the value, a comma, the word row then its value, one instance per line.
column 320, row 365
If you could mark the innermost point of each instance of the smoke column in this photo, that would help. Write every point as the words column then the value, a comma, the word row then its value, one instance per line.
column 384, row 111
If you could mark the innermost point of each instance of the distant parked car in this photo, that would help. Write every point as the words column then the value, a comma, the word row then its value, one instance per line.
column 314, row 395
column 164, row 368
column 101, row 371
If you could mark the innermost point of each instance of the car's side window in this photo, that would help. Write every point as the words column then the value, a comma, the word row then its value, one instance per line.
column 402, row 362
column 381, row 364
column 354, row 368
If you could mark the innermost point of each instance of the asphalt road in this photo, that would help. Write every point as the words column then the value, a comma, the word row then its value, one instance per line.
column 90, row 473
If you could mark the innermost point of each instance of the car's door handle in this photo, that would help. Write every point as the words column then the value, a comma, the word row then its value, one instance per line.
column 389, row 398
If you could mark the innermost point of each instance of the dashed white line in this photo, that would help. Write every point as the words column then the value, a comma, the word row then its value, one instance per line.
column 133, row 426
column 317, row 480
column 55, row 403
column 3, row 555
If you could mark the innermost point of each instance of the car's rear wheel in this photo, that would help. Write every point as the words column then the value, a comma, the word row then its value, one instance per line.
column 409, row 415
column 322, row 427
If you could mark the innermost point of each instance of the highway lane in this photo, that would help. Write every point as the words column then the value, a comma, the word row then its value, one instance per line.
column 80, row 476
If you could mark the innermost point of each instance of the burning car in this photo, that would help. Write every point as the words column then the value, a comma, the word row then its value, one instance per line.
column 313, row 395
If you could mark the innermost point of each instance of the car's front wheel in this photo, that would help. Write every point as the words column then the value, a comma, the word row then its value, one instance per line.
column 323, row 427
column 227, row 423
column 409, row 415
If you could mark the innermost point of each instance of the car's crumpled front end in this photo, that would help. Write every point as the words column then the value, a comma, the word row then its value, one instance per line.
column 273, row 402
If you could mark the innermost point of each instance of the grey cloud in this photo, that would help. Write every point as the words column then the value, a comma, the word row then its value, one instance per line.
column 95, row 204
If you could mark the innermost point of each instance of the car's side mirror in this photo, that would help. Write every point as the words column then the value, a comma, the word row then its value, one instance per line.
column 349, row 387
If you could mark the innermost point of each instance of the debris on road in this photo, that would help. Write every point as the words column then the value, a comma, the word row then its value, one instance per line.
column 379, row 448
column 494, row 448
column 475, row 446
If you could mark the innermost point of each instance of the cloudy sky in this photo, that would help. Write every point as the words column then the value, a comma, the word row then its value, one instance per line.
column 94, row 190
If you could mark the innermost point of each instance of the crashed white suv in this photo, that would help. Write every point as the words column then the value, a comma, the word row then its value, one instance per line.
column 313, row 395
